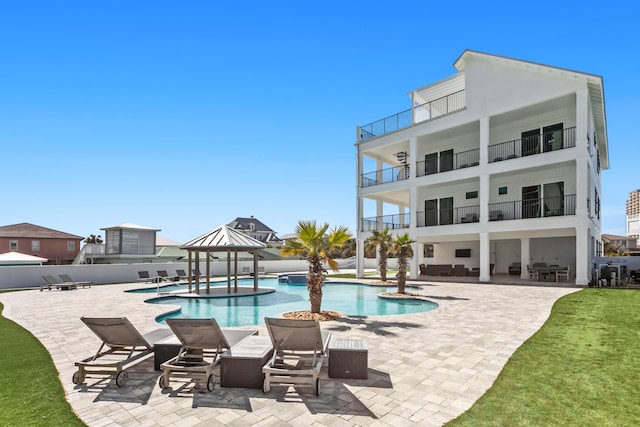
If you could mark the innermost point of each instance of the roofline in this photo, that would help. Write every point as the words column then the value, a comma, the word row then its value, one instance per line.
column 459, row 64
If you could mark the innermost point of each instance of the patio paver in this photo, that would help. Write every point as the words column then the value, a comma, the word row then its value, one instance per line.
column 424, row 369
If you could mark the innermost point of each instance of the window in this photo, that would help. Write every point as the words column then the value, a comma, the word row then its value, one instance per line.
column 71, row 245
column 471, row 195
column 502, row 190
column 428, row 251
column 35, row 245
column 13, row 245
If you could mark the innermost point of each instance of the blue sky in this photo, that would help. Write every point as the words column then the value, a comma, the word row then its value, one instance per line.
column 185, row 115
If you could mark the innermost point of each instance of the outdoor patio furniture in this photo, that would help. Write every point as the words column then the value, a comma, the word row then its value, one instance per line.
column 515, row 269
column 53, row 283
column 202, row 342
column 564, row 274
column 125, row 346
column 496, row 216
column 299, row 350
column 348, row 358
column 241, row 365
column 459, row 270
column 164, row 276
column 66, row 278
column 143, row 276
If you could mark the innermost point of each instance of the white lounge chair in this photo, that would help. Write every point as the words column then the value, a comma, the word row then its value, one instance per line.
column 126, row 345
column 299, row 350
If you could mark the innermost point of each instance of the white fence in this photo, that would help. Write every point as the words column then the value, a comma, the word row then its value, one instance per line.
column 31, row 276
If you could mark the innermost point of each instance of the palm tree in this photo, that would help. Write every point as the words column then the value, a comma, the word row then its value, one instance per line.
column 401, row 246
column 313, row 243
column 382, row 240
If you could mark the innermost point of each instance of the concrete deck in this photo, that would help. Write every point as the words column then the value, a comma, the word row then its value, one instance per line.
column 424, row 369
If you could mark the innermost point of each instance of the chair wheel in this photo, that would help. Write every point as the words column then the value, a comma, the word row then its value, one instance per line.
column 121, row 378
column 211, row 382
column 161, row 383
column 76, row 377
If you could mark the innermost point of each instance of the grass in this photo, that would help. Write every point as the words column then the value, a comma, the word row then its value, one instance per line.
column 580, row 369
column 30, row 390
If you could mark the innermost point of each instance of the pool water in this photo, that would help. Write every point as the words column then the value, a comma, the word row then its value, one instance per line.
column 349, row 298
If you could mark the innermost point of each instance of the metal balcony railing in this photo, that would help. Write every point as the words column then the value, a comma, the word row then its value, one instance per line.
column 460, row 215
column 392, row 222
column 531, row 145
column 534, row 208
column 383, row 176
column 427, row 111
column 448, row 162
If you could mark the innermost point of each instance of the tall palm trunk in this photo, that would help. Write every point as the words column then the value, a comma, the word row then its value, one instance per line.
column 315, row 279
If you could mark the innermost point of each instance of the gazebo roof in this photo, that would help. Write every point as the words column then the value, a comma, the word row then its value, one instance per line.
column 20, row 258
column 223, row 238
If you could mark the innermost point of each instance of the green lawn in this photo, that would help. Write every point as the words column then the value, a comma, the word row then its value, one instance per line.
column 581, row 369
column 30, row 391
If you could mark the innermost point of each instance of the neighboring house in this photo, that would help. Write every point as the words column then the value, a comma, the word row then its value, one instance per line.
column 498, row 164
column 124, row 243
column 627, row 243
column 56, row 246
column 255, row 229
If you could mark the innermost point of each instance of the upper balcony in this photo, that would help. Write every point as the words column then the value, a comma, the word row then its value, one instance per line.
column 445, row 161
column 419, row 113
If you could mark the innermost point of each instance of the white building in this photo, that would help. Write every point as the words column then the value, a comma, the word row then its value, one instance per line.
column 498, row 164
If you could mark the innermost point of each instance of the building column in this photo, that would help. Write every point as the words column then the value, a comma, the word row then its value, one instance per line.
column 360, row 258
column 484, row 197
column 582, row 256
column 525, row 254
column 485, row 257
column 582, row 188
column 414, row 261
column 485, row 136
column 582, row 119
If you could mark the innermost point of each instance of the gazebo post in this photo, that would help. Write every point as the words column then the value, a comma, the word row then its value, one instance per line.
column 190, row 269
column 228, row 271
column 255, row 270
column 208, row 272
column 235, row 271
column 197, row 254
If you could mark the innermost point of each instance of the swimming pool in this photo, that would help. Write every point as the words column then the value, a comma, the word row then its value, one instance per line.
column 349, row 298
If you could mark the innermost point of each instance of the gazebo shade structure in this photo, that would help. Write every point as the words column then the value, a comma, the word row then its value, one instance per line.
column 221, row 239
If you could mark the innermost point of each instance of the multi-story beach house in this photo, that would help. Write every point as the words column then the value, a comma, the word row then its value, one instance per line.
column 495, row 168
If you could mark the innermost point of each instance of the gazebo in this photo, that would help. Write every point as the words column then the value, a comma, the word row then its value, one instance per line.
column 221, row 239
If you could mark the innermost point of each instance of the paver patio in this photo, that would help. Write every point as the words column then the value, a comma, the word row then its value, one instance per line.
column 424, row 369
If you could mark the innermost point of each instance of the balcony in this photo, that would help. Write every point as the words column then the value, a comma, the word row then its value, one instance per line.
column 392, row 222
column 448, row 162
column 535, row 208
column 421, row 113
column 382, row 176
column 533, row 144
column 460, row 215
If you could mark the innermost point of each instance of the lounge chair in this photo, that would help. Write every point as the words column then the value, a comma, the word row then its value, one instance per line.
column 143, row 276
column 299, row 350
column 67, row 278
column 164, row 276
column 53, row 283
column 202, row 343
column 182, row 275
column 126, row 345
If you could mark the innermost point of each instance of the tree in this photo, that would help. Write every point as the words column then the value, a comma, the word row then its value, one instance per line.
column 313, row 242
column 93, row 239
column 383, row 241
column 401, row 246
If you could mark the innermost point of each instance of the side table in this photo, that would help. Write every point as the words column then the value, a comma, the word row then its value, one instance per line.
column 241, row 365
column 348, row 358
